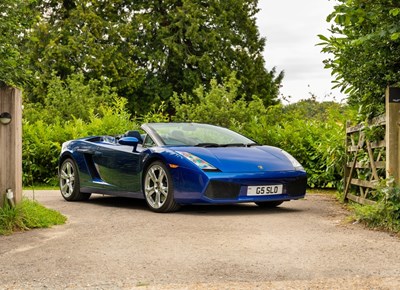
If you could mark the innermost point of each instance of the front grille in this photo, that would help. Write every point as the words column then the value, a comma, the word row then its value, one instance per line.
column 222, row 190
column 296, row 186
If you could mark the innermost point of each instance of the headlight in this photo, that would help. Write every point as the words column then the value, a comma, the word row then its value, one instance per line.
column 296, row 164
column 203, row 165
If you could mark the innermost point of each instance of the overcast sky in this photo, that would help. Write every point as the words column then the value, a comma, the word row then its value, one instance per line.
column 291, row 28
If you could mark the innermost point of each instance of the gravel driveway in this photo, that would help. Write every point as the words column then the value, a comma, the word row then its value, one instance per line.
column 116, row 243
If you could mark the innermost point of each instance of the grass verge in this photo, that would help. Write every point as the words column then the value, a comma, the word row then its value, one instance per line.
column 321, row 191
column 28, row 215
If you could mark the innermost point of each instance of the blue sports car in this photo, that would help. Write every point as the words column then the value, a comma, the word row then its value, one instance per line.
column 173, row 164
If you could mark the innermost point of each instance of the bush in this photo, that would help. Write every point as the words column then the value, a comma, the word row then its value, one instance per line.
column 71, row 99
column 385, row 213
column 316, row 141
column 42, row 142
column 312, row 132
column 221, row 105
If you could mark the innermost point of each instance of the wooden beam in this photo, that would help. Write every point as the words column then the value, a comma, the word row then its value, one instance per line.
column 372, row 161
column 363, row 165
column 11, row 144
column 378, row 144
column 360, row 200
column 377, row 121
column 392, row 133
column 348, row 177
column 364, row 183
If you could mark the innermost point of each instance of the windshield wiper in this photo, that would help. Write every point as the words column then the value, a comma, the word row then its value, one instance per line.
column 207, row 145
column 226, row 145
column 233, row 145
column 239, row 145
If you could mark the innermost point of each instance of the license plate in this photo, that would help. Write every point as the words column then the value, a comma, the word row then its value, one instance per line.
column 264, row 190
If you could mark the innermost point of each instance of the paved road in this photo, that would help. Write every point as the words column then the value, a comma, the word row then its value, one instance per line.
column 116, row 243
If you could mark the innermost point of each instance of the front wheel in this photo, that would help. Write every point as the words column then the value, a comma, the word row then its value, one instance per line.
column 159, row 189
column 69, row 182
column 269, row 204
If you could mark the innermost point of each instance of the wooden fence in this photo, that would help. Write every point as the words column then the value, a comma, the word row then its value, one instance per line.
column 372, row 151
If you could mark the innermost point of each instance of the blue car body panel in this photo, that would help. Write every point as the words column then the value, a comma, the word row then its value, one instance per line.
column 107, row 167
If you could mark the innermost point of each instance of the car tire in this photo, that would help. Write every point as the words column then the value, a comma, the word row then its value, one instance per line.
column 269, row 204
column 69, row 182
column 158, row 188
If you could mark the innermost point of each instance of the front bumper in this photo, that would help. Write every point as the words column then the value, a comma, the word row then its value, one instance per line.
column 222, row 188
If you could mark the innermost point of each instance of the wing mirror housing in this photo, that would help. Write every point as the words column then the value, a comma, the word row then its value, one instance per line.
column 129, row 141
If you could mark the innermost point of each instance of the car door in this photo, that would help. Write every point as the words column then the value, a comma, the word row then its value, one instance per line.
column 118, row 167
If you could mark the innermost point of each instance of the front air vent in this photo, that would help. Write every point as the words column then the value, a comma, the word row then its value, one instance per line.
column 222, row 190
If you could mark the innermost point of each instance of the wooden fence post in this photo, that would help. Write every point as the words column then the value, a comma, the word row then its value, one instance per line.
column 392, row 133
column 10, row 144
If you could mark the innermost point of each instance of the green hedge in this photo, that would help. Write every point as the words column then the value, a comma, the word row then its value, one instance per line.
column 312, row 132
column 42, row 142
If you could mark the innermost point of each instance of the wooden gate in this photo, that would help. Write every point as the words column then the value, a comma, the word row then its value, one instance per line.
column 366, row 160
column 372, row 151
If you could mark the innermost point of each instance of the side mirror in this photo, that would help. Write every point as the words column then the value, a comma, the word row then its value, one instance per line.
column 129, row 141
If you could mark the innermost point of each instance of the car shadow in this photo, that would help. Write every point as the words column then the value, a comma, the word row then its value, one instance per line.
column 234, row 209
column 117, row 201
column 209, row 210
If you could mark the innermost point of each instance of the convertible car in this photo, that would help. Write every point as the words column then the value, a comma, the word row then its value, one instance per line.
column 174, row 164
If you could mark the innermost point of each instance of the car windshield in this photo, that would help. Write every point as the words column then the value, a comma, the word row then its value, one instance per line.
column 193, row 134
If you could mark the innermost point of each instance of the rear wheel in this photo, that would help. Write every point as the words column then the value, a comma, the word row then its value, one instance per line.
column 269, row 204
column 159, row 189
column 69, row 182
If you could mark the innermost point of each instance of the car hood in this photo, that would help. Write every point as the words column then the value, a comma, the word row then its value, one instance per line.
column 242, row 159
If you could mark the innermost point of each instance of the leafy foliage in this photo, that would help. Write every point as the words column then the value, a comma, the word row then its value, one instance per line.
column 89, row 38
column 221, row 105
column 42, row 141
column 316, row 141
column 16, row 17
column 312, row 132
column 150, row 49
column 70, row 99
column 365, row 45
column 385, row 213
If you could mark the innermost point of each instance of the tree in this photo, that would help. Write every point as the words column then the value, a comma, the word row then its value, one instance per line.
column 150, row 49
column 188, row 43
column 83, row 37
column 220, row 105
column 365, row 47
column 15, row 17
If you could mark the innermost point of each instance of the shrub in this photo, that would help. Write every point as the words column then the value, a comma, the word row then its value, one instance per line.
column 318, row 146
column 312, row 132
column 42, row 142
column 221, row 105
column 71, row 99
column 385, row 213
